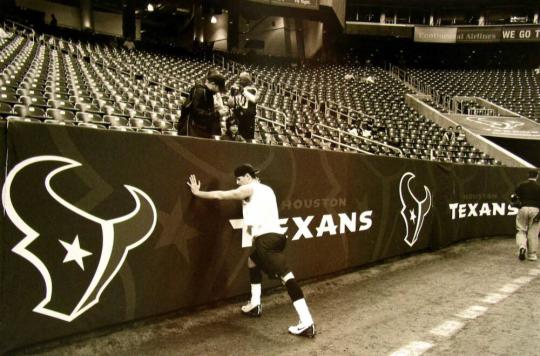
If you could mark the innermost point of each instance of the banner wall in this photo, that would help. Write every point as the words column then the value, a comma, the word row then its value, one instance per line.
column 435, row 34
column 101, row 227
column 477, row 34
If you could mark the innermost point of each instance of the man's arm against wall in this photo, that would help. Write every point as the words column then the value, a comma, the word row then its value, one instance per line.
column 239, row 193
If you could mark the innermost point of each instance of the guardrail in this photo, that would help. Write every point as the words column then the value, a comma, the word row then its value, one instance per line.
column 347, row 114
column 296, row 94
column 342, row 133
column 277, row 112
column 439, row 98
column 23, row 29
column 299, row 96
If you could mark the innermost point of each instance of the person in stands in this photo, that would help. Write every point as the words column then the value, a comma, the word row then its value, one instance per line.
column 243, row 102
column 204, row 118
column 232, row 133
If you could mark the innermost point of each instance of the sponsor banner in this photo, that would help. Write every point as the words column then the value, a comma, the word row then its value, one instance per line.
column 478, row 34
column 306, row 4
column 375, row 29
column 520, row 34
column 101, row 228
column 509, row 127
column 435, row 34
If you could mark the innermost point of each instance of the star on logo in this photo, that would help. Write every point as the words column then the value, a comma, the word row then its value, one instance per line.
column 75, row 252
column 413, row 215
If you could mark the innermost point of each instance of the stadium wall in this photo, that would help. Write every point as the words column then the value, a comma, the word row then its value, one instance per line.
column 278, row 34
column 70, row 17
column 67, row 16
column 217, row 32
column 313, row 34
column 100, row 228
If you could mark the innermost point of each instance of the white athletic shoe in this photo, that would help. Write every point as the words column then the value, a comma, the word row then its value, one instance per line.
column 252, row 310
column 532, row 257
column 303, row 330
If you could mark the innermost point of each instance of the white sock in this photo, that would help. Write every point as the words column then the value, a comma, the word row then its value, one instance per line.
column 303, row 311
column 256, row 294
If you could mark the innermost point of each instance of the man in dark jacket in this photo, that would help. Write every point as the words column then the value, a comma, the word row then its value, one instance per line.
column 527, row 223
column 204, row 119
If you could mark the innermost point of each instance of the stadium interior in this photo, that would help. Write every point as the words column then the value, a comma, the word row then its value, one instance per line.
column 409, row 120
column 350, row 95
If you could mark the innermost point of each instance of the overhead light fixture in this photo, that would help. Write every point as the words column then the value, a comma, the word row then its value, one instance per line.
column 213, row 19
column 150, row 7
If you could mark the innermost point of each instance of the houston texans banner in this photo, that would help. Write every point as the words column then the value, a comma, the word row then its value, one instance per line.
column 100, row 228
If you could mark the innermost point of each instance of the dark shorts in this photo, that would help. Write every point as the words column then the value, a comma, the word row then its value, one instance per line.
column 269, row 254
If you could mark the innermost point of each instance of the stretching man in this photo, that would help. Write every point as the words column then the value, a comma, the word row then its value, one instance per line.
column 259, row 208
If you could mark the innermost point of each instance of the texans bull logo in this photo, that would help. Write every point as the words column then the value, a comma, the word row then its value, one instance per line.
column 77, row 254
column 413, row 210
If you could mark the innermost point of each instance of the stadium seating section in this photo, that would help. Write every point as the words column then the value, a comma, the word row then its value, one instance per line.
column 513, row 89
column 55, row 81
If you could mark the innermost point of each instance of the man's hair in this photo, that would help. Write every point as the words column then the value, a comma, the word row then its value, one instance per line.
column 533, row 173
column 217, row 78
column 244, row 169
column 245, row 79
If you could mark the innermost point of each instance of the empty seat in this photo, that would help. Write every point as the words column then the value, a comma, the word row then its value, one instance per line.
column 29, row 111
column 115, row 120
column 60, row 115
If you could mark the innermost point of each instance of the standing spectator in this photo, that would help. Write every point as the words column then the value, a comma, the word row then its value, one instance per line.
column 203, row 118
column 54, row 22
column 527, row 219
column 243, row 101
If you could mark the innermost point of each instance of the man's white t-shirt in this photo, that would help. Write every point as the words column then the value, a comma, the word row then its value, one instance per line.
column 260, row 210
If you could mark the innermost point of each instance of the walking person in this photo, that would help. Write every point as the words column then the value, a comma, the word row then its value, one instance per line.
column 527, row 219
column 260, row 212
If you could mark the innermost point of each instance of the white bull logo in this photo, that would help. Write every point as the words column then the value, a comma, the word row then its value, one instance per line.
column 71, row 290
column 413, row 210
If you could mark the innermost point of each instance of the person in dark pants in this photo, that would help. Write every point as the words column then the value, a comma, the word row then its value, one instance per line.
column 527, row 219
column 203, row 120
column 243, row 101
column 260, row 212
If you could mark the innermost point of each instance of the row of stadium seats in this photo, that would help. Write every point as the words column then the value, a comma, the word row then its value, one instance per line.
column 515, row 89
column 92, row 85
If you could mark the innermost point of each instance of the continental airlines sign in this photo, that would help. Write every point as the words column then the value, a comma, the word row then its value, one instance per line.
column 477, row 34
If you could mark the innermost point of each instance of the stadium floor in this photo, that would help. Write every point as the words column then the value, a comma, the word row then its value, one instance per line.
column 473, row 298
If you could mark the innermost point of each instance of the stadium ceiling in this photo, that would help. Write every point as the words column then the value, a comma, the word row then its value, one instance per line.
column 168, row 7
column 463, row 4
column 165, row 6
